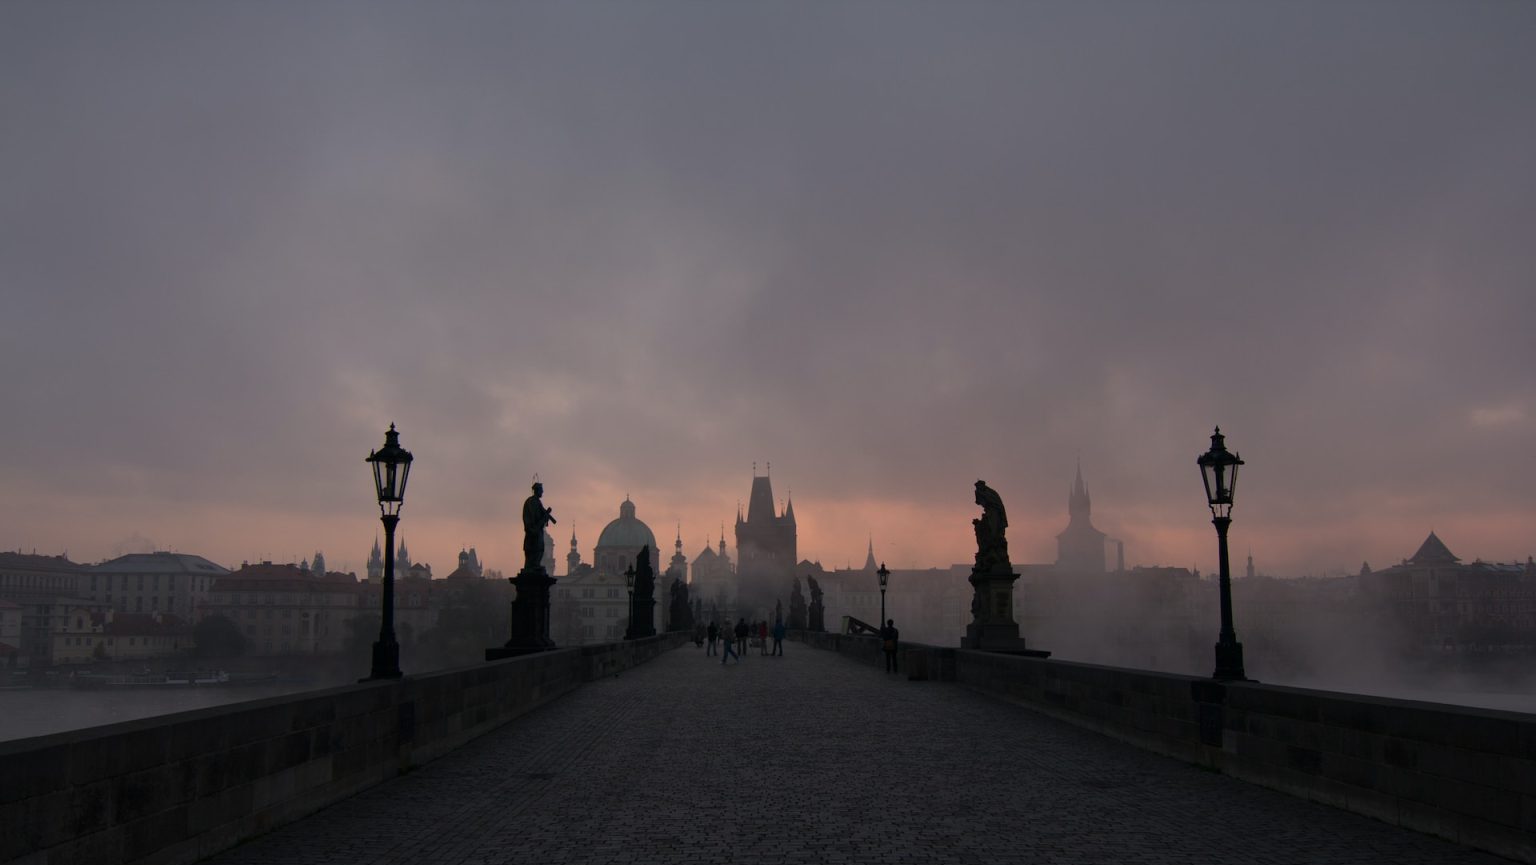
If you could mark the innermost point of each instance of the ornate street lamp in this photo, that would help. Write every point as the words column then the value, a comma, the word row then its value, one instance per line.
column 1218, row 468
column 391, row 467
column 885, row 578
column 629, row 580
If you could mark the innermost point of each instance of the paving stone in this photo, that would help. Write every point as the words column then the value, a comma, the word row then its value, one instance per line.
column 811, row 757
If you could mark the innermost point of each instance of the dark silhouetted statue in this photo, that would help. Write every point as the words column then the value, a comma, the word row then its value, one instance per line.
column 643, row 611
column 992, row 626
column 530, row 609
column 818, row 611
column 991, row 526
column 535, row 518
column 679, row 611
column 796, row 607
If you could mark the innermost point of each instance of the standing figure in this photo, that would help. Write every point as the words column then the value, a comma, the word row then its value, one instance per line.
column 778, row 638
column 730, row 650
column 713, row 634
column 535, row 518
column 741, row 635
column 888, row 637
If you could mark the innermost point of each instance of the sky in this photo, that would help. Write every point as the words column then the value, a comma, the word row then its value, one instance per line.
column 890, row 248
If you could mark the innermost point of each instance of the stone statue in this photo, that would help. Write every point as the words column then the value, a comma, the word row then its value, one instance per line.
column 797, row 617
column 535, row 518
column 679, row 611
column 818, row 611
column 993, row 627
column 991, row 545
column 644, row 622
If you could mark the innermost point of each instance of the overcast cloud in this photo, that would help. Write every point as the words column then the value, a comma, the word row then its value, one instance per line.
column 891, row 248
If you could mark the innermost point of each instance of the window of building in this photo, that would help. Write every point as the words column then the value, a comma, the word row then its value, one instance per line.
column 586, row 593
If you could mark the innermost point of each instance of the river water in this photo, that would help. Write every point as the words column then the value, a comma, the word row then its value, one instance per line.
column 38, row 712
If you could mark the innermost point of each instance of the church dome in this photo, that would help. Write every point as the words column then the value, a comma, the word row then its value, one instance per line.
column 627, row 532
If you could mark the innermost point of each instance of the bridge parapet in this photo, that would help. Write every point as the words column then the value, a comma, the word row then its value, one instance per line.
column 1462, row 773
column 178, row 788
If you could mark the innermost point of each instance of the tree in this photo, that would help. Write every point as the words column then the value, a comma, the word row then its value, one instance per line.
column 218, row 637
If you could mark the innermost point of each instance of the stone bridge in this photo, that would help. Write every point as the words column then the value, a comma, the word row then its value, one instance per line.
column 656, row 752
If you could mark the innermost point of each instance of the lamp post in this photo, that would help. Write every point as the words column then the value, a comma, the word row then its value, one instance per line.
column 1218, row 468
column 391, row 466
column 629, row 580
column 885, row 578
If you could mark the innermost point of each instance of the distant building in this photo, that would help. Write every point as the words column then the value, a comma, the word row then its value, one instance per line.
column 1080, row 547
column 43, row 588
column 283, row 610
column 677, row 572
column 714, row 579
column 10, row 633
column 88, row 636
column 588, row 606
column 174, row 583
column 1444, row 604
column 621, row 541
column 402, row 562
column 766, row 544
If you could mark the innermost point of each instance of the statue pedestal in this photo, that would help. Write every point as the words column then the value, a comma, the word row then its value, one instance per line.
column 992, row 627
column 530, row 616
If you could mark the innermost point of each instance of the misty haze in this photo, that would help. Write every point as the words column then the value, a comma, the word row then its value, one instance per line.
column 776, row 407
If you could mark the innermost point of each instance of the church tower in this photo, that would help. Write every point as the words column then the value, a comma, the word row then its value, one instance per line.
column 679, row 565
column 1080, row 547
column 402, row 561
column 572, row 558
column 765, row 544
column 376, row 563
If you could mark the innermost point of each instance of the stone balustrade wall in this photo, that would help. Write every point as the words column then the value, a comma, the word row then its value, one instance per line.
column 177, row 788
column 1462, row 773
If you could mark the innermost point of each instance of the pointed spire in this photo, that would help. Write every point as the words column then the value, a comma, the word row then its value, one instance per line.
column 1433, row 551
column 869, row 557
column 679, row 537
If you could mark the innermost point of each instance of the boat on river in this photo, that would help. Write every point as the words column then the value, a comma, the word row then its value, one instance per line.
column 174, row 679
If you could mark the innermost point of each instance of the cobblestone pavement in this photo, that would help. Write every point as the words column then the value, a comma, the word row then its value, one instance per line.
column 814, row 758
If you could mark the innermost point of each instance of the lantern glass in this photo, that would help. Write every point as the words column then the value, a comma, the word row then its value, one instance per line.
column 629, row 578
column 1218, row 469
column 391, row 468
column 885, row 575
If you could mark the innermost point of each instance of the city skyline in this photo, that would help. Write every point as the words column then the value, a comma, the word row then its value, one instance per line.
column 633, row 252
column 1037, row 551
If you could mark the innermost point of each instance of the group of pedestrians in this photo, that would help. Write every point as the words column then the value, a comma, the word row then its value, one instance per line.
column 733, row 640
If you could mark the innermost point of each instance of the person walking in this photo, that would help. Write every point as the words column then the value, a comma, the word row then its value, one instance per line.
column 741, row 635
column 778, row 638
column 713, row 634
column 730, row 651
column 888, row 637
column 762, row 636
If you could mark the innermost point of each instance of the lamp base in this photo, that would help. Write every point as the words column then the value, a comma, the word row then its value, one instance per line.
column 1229, row 663
column 386, row 662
